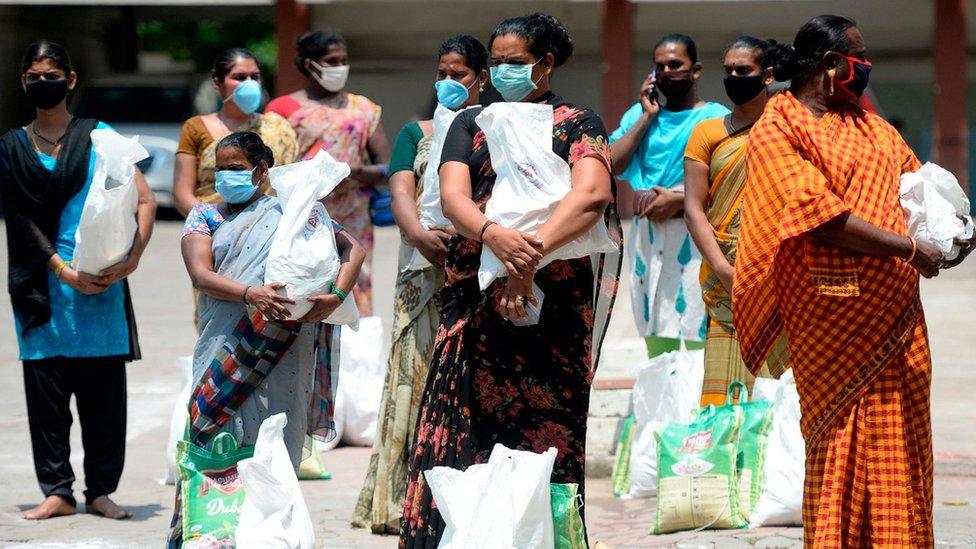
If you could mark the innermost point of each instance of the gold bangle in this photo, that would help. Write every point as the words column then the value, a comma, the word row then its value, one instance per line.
column 60, row 268
column 911, row 256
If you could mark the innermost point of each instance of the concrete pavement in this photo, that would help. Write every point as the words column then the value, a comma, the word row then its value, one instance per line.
column 162, row 299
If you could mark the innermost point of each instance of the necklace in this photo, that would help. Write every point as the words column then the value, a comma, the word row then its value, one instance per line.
column 46, row 140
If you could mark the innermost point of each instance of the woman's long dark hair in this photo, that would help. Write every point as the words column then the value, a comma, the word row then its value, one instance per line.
column 815, row 38
column 251, row 145
column 543, row 32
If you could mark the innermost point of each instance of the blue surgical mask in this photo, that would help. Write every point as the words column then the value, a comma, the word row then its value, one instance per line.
column 247, row 96
column 513, row 82
column 235, row 186
column 451, row 93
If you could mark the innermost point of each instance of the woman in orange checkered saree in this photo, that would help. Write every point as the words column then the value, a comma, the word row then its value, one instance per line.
column 824, row 258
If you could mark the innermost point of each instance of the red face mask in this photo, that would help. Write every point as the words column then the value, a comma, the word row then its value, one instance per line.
column 858, row 73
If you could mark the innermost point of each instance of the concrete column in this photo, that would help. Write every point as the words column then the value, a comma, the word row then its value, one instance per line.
column 291, row 21
column 951, row 132
column 617, row 56
column 617, row 52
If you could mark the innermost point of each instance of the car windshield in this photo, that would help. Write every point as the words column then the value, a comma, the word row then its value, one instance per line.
column 136, row 103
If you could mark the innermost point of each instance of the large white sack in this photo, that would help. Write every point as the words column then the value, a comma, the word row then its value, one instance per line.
column 108, row 219
column 429, row 208
column 362, row 372
column 667, row 389
column 177, row 421
column 502, row 503
column 781, row 502
column 530, row 182
column 303, row 253
column 274, row 514
column 933, row 202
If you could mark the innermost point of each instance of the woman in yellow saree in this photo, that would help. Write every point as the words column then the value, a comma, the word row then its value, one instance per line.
column 715, row 176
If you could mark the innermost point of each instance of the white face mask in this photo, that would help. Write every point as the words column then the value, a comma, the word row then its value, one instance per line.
column 333, row 79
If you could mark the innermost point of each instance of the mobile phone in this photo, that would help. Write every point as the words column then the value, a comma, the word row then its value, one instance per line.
column 652, row 91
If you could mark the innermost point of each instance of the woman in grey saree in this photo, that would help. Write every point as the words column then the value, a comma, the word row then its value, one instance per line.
column 249, row 363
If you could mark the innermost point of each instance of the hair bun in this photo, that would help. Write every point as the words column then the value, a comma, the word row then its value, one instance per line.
column 559, row 40
column 786, row 64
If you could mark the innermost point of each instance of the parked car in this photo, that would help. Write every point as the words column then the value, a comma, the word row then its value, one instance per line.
column 152, row 107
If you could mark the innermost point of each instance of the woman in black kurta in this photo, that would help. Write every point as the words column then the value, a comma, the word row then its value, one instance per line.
column 490, row 381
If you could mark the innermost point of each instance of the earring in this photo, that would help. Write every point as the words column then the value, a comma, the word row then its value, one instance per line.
column 830, row 74
column 481, row 88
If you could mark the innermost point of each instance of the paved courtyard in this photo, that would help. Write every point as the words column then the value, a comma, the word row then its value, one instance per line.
column 162, row 299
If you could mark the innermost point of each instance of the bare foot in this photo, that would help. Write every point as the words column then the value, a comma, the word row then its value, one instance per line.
column 107, row 508
column 52, row 506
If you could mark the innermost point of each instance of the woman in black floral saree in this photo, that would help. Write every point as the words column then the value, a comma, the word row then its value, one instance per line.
column 490, row 381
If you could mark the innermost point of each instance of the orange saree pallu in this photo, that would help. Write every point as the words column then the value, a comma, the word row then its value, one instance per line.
column 854, row 324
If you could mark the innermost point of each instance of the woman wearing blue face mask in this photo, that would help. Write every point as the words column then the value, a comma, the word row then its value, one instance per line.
column 237, row 78
column 493, row 382
column 462, row 71
column 243, row 336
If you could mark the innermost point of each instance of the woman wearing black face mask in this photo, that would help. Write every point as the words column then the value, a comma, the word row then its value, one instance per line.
column 825, row 260
column 75, row 331
column 648, row 152
column 715, row 175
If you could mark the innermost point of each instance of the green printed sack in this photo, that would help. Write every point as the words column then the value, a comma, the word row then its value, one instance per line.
column 566, row 520
column 750, row 463
column 621, row 464
column 696, row 483
column 212, row 492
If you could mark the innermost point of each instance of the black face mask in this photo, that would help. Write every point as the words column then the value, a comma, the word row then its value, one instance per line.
column 46, row 94
column 743, row 89
column 674, row 88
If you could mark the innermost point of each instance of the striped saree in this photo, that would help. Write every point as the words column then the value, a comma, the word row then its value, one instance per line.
column 727, row 178
column 856, row 333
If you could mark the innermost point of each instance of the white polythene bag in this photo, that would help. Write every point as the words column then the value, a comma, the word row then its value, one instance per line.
column 360, row 391
column 781, row 501
column 667, row 389
column 429, row 208
column 503, row 503
column 177, row 421
column 274, row 514
column 303, row 253
column 933, row 203
column 108, row 219
column 531, row 180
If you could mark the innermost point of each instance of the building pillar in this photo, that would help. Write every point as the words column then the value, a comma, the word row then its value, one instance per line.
column 617, row 56
column 951, row 132
column 292, row 19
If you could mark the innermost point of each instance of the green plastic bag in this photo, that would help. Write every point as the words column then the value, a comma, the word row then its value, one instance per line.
column 212, row 492
column 750, row 463
column 621, row 464
column 566, row 521
column 696, row 485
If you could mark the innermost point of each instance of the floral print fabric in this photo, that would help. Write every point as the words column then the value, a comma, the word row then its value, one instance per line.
column 490, row 381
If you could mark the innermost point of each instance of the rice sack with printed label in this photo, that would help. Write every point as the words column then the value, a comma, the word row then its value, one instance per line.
column 696, row 474
column 750, row 461
column 212, row 491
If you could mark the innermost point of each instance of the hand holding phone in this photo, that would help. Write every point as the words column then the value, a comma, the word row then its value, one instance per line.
column 649, row 94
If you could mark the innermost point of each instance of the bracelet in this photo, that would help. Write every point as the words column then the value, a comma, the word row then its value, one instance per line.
column 911, row 256
column 60, row 268
column 244, row 297
column 481, row 235
column 341, row 294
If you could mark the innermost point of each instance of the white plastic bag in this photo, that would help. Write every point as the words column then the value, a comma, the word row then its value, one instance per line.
column 531, row 180
column 177, row 422
column 108, row 219
column 303, row 253
column 933, row 201
column 781, row 502
column 429, row 209
column 361, row 375
column 502, row 503
column 667, row 389
column 274, row 513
